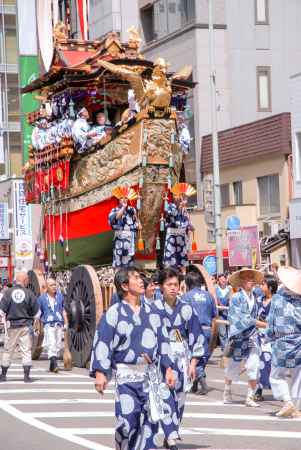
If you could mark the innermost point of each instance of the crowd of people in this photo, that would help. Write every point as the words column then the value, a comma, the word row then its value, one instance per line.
column 89, row 129
column 158, row 335
column 255, row 316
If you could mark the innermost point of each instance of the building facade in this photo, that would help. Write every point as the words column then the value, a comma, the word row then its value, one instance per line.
column 10, row 127
column 257, row 47
column 104, row 16
column 256, row 183
column 295, row 204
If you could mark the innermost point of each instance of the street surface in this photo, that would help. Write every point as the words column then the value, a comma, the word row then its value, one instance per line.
column 63, row 412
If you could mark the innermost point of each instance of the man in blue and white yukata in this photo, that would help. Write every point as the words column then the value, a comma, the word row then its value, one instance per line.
column 54, row 319
column 223, row 293
column 243, row 335
column 205, row 308
column 178, row 226
column 123, row 220
column 187, row 345
column 130, row 340
column 284, row 332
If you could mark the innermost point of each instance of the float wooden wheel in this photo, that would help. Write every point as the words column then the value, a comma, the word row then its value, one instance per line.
column 37, row 284
column 84, row 307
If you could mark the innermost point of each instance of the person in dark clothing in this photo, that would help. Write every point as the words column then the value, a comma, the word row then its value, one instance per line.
column 18, row 308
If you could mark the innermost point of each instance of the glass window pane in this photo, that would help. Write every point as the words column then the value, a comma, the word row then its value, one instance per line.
column 298, row 156
column 261, row 11
column 237, row 189
column 160, row 19
column 225, row 195
column 264, row 91
column 274, row 194
column 269, row 198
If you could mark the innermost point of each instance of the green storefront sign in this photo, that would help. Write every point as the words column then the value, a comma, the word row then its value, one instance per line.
column 29, row 71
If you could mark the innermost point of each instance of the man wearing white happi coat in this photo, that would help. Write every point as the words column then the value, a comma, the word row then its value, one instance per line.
column 54, row 318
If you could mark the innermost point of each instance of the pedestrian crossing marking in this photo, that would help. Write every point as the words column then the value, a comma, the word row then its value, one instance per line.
column 80, row 386
column 45, row 390
column 105, row 400
column 17, row 377
column 59, row 432
column 90, row 383
column 187, row 415
column 185, row 431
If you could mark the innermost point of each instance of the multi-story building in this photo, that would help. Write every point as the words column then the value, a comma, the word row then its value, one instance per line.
column 10, row 128
column 257, row 47
column 256, row 183
column 19, row 222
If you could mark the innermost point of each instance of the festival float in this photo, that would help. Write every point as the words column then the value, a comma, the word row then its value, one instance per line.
column 73, row 168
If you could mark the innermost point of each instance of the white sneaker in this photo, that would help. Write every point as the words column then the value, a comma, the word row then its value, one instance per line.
column 227, row 397
column 250, row 403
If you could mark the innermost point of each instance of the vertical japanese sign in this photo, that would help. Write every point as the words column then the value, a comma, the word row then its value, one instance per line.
column 243, row 247
column 28, row 64
column 2, row 152
column 23, row 228
column 4, row 234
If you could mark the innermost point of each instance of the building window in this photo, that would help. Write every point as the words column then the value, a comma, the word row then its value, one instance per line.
column 225, row 195
column 261, row 12
column 264, row 89
column 298, row 156
column 237, row 191
column 166, row 16
column 269, row 198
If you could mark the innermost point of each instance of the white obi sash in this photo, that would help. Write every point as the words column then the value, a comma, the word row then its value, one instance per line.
column 129, row 235
column 176, row 232
column 180, row 352
column 131, row 373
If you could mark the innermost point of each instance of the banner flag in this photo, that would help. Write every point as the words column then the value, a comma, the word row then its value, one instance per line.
column 23, row 226
column 4, row 233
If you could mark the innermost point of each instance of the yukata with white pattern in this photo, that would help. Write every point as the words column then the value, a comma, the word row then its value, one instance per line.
column 176, row 242
column 183, row 320
column 205, row 308
column 284, row 332
column 121, row 338
column 223, row 297
column 266, row 350
column 125, row 236
column 242, row 316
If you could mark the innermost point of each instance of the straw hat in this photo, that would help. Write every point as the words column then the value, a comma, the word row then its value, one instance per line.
column 291, row 278
column 236, row 278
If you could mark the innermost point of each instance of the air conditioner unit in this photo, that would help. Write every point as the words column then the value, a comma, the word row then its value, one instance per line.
column 271, row 228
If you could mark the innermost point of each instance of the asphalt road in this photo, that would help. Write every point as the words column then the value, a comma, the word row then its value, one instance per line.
column 63, row 412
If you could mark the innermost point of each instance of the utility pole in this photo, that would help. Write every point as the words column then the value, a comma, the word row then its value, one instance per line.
column 216, row 175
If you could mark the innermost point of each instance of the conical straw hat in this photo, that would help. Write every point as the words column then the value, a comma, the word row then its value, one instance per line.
column 291, row 278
